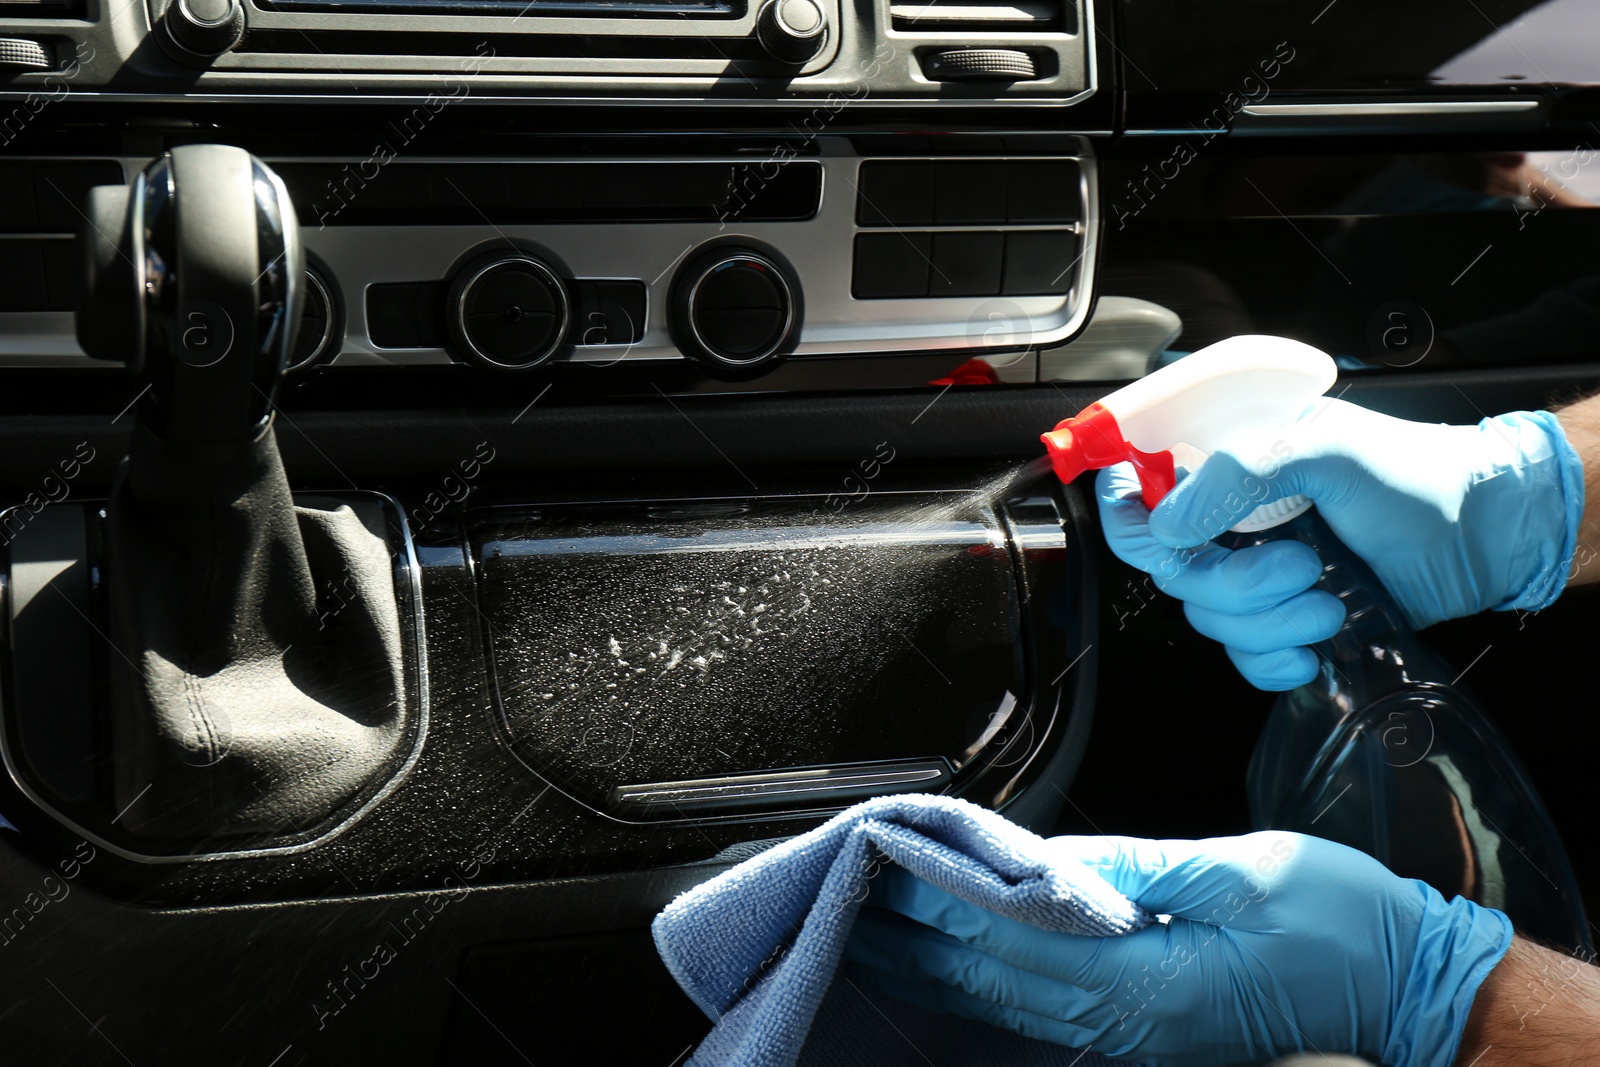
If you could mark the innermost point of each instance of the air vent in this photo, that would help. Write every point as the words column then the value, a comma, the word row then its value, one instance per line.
column 41, row 9
column 986, row 16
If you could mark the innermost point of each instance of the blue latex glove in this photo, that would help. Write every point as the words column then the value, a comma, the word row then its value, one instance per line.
column 1278, row 943
column 1452, row 519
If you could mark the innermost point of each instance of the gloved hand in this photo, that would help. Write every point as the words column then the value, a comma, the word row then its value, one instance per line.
column 1452, row 519
column 1278, row 942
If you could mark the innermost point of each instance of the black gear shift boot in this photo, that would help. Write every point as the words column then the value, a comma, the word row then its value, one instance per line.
column 260, row 684
column 205, row 664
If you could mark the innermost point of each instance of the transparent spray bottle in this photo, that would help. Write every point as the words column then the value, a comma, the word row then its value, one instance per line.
column 1384, row 750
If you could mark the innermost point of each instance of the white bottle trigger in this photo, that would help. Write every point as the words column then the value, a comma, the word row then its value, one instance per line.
column 1236, row 390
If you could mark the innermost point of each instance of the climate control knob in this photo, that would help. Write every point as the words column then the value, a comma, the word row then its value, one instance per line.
column 736, row 310
column 792, row 31
column 197, row 31
column 508, row 311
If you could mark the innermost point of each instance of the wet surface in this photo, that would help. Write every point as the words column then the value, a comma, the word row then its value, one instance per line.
column 630, row 645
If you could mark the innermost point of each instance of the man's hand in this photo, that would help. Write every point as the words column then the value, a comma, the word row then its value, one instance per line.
column 1277, row 943
column 1453, row 519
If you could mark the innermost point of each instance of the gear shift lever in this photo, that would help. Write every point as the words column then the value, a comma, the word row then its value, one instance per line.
column 260, row 685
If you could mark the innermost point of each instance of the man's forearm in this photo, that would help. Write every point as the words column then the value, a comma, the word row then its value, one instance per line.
column 1537, row 1008
column 1581, row 422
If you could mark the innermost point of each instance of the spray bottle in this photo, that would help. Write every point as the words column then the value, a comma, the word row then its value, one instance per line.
column 1384, row 750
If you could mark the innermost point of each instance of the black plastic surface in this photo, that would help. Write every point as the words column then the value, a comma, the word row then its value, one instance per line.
column 521, row 192
column 969, row 193
column 1396, row 257
column 1035, row 191
column 895, row 194
column 891, row 265
column 652, row 643
column 966, row 192
column 17, row 213
column 1039, row 261
column 59, row 190
column 22, row 279
column 965, row 264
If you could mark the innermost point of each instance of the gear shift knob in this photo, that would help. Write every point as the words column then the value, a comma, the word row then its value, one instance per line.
column 198, row 293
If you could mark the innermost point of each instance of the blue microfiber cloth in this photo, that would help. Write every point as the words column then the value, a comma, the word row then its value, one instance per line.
column 757, row 946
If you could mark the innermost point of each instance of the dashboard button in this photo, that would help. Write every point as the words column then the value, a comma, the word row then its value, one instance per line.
column 966, row 264
column 889, row 265
column 792, row 31
column 1042, row 191
column 1039, row 262
column 24, row 54
column 404, row 315
column 196, row 31
column 969, row 193
column 895, row 194
column 979, row 64
column 608, row 312
column 392, row 315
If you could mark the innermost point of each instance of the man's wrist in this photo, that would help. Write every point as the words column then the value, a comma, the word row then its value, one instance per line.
column 1580, row 423
column 1537, row 1008
column 1550, row 469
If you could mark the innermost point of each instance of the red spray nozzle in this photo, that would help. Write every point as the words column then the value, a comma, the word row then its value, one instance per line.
column 1092, row 439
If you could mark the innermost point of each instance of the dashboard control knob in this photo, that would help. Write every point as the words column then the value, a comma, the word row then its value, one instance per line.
column 980, row 64
column 736, row 310
column 792, row 31
column 201, row 30
column 508, row 311
column 20, row 53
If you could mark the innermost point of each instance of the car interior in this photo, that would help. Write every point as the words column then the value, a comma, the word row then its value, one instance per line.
column 476, row 469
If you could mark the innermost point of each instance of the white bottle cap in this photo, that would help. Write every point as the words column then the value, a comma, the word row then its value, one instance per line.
column 1274, row 514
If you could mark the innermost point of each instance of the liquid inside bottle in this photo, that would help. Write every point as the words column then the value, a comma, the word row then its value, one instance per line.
column 1386, row 752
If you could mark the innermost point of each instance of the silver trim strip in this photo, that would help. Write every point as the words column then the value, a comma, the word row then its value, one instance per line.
column 820, row 101
column 1386, row 108
column 778, row 785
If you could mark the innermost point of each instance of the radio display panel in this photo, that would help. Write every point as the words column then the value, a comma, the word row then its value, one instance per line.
column 535, row 8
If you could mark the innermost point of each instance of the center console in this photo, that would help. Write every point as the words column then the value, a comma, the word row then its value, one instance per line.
column 769, row 248
column 819, row 55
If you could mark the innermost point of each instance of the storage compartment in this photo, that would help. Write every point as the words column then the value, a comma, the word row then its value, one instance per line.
column 662, row 661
